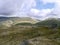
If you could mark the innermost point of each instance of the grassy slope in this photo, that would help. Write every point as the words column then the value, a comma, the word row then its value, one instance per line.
column 15, row 34
column 42, row 34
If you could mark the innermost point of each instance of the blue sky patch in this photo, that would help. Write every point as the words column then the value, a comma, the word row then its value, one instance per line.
column 41, row 5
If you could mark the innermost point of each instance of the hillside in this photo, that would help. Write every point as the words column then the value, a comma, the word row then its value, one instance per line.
column 49, row 22
column 26, row 32
column 39, row 35
column 8, row 21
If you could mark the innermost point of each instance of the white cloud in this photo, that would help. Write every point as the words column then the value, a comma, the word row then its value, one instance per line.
column 56, row 9
column 15, row 7
column 42, row 14
column 50, row 1
column 26, row 6
column 22, row 7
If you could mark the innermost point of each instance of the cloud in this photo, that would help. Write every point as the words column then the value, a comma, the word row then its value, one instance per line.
column 56, row 9
column 47, row 13
column 40, row 14
column 48, row 1
column 15, row 7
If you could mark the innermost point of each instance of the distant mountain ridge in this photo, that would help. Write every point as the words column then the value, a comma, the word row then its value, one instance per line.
column 49, row 22
column 8, row 21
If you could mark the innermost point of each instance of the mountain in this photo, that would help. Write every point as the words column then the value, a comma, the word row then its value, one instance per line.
column 21, row 31
column 49, row 22
column 8, row 21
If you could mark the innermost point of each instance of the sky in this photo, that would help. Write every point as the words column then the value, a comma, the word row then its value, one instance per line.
column 38, row 9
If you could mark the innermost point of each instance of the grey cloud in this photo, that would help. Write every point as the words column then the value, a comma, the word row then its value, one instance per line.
column 9, row 7
column 15, row 7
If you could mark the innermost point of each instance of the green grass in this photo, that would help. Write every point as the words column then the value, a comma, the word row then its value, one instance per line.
column 17, row 34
